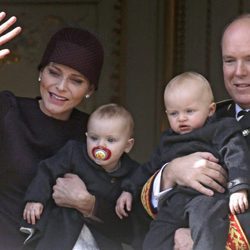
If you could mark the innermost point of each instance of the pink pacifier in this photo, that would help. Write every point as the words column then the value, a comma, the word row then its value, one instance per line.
column 101, row 153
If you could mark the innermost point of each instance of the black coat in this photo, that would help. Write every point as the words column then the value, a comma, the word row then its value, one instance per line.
column 27, row 136
column 227, row 109
column 60, row 227
column 220, row 136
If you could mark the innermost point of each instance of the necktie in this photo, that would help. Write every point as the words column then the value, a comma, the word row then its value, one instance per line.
column 244, row 119
column 241, row 114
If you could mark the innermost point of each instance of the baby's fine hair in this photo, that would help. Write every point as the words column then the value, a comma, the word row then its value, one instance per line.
column 191, row 75
column 113, row 110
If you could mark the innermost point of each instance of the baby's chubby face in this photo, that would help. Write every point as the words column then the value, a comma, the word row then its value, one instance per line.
column 188, row 106
column 107, row 140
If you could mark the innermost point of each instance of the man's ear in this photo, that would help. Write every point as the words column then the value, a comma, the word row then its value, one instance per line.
column 130, row 144
column 212, row 109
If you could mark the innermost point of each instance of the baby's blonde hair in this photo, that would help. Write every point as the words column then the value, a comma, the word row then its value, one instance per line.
column 113, row 110
column 181, row 80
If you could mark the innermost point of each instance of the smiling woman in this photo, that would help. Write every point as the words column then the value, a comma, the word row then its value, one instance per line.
column 62, row 89
column 34, row 129
column 68, row 71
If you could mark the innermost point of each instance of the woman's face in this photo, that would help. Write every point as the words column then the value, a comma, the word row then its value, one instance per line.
column 62, row 89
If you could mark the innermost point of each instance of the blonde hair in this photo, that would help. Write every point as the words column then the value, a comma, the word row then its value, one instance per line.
column 181, row 79
column 113, row 110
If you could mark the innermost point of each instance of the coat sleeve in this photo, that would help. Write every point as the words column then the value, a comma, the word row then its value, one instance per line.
column 40, row 189
column 235, row 153
column 135, row 183
column 6, row 102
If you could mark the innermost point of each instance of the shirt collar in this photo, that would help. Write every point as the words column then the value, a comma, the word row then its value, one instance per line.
column 237, row 110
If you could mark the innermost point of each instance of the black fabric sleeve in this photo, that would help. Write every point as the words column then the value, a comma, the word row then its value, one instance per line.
column 6, row 102
column 135, row 183
column 40, row 189
column 235, row 152
column 111, row 225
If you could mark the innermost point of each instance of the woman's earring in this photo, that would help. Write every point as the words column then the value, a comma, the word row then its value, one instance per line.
column 39, row 79
column 87, row 96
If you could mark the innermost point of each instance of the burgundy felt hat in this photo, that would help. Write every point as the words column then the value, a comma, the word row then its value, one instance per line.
column 78, row 49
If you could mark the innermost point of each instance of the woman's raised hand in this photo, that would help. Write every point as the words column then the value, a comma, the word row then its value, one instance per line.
column 9, row 35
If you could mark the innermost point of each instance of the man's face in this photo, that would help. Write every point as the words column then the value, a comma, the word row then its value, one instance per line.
column 236, row 61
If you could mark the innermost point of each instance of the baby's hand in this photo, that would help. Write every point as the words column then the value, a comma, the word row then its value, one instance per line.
column 238, row 202
column 32, row 212
column 123, row 204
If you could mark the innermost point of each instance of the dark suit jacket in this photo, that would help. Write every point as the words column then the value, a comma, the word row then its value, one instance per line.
column 224, row 109
column 227, row 109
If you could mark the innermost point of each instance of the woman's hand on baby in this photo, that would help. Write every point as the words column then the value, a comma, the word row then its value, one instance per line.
column 124, row 204
column 9, row 35
column 71, row 191
column 238, row 202
column 32, row 212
